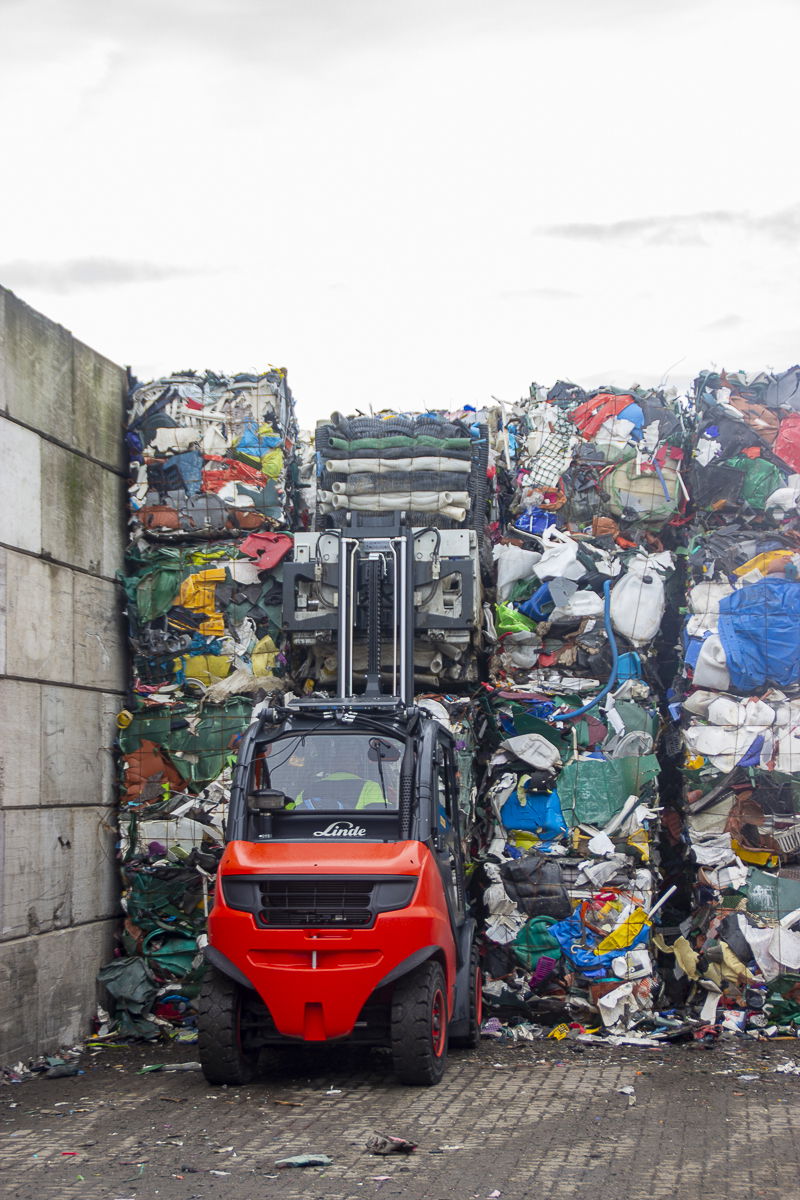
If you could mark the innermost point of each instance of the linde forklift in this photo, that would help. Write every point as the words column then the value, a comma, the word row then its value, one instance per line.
column 340, row 910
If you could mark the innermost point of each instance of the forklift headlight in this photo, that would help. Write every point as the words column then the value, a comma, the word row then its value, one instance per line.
column 390, row 894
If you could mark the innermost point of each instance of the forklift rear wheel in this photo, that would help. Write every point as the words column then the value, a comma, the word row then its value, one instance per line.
column 472, row 1037
column 222, row 1055
column 419, row 1026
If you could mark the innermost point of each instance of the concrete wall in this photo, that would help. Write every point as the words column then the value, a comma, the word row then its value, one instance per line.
column 62, row 675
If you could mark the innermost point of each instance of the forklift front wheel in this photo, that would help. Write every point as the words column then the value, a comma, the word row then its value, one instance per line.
column 419, row 1026
column 222, row 1055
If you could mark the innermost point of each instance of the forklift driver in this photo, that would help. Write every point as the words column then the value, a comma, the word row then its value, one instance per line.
column 327, row 787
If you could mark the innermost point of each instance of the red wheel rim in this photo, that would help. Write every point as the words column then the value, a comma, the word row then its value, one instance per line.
column 438, row 1023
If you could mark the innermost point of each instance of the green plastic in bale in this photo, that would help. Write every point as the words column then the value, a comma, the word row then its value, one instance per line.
column 583, row 734
column 593, row 790
column 523, row 589
column 508, row 620
column 169, row 955
column 771, row 896
column 637, row 718
column 761, row 479
column 199, row 754
column 156, row 592
column 784, row 999
column 525, row 723
column 534, row 941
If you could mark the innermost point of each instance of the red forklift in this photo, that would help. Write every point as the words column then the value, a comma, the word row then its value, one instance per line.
column 340, row 909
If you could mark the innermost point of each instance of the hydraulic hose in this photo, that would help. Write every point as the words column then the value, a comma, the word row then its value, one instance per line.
column 612, row 679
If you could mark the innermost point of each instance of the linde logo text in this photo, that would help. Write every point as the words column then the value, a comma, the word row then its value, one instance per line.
column 342, row 829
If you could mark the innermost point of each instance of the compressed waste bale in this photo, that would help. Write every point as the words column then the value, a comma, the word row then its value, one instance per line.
column 213, row 495
column 436, row 471
column 431, row 466
column 211, row 455
column 736, row 708
column 585, row 572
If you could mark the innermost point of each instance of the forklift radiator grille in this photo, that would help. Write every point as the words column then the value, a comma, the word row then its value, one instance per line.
column 301, row 904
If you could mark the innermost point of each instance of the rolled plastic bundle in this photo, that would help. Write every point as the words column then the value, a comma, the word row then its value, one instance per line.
column 352, row 466
column 451, row 504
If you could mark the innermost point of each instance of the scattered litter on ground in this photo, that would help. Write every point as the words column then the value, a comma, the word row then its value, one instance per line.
column 381, row 1143
column 304, row 1160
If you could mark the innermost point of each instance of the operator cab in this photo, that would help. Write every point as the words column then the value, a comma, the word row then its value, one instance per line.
column 306, row 783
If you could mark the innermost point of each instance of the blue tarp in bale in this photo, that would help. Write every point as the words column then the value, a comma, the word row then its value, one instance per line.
column 758, row 628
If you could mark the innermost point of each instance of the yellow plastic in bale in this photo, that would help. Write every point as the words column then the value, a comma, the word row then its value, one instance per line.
column 756, row 858
column 640, row 842
column 264, row 655
column 207, row 668
column 625, row 932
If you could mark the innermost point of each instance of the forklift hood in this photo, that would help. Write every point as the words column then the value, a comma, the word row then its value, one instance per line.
column 344, row 856
column 317, row 929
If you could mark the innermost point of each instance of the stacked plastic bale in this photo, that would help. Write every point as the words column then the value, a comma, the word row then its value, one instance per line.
column 431, row 466
column 571, row 788
column 211, row 499
column 433, row 470
column 737, row 702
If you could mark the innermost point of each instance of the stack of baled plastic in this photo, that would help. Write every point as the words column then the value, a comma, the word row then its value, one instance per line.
column 430, row 466
column 737, row 702
column 571, row 799
column 430, row 470
column 211, row 455
column 211, row 500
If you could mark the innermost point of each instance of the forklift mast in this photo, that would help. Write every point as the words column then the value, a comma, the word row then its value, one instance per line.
column 399, row 607
column 370, row 560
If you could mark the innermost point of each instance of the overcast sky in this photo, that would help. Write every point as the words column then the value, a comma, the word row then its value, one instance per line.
column 407, row 204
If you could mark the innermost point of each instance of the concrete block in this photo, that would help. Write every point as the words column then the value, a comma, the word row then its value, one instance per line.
column 100, row 393
column 74, row 513
column 68, row 989
column 19, row 1000
column 39, row 625
column 38, row 370
column 95, row 872
column 115, row 528
column 3, row 405
column 100, row 644
column 77, row 737
column 3, row 608
column 37, row 876
column 20, row 754
column 48, row 989
column 20, row 470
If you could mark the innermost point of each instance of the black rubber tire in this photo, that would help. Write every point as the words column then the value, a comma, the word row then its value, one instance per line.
column 219, row 1011
column 419, row 1026
column 472, row 1038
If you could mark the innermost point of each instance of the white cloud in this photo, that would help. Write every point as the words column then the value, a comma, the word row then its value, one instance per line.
column 71, row 275
column 357, row 190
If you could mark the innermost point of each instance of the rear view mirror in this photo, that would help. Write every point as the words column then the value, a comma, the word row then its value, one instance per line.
column 381, row 751
column 266, row 800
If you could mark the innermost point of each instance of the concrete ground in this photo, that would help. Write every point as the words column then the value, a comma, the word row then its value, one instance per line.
column 508, row 1122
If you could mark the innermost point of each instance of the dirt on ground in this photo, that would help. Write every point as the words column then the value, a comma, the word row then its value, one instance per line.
column 510, row 1121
